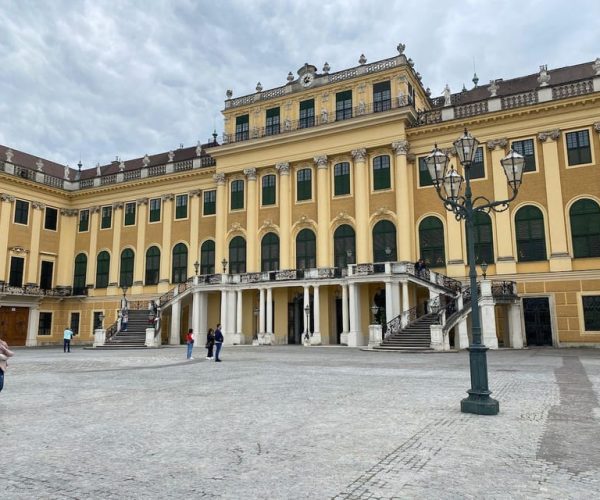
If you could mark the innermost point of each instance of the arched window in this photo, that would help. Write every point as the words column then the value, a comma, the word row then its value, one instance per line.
column 269, row 252
column 529, row 230
column 207, row 257
column 431, row 242
column 79, row 274
column 306, row 250
column 237, row 255
column 268, row 189
column 585, row 228
column 384, row 242
column 484, row 240
column 102, row 268
column 126, row 275
column 152, row 265
column 344, row 246
column 381, row 172
column 179, row 269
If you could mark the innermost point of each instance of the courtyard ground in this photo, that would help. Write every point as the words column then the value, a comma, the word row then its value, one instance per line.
column 291, row 422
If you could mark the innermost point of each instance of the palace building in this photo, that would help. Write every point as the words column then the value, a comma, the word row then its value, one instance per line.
column 303, row 222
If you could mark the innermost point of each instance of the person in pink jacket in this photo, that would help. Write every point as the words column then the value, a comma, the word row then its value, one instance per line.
column 5, row 353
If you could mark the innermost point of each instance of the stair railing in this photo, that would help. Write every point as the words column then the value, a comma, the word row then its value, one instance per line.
column 111, row 331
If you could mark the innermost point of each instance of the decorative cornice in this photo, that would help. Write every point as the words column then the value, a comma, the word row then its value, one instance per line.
column 167, row 197
column 7, row 197
column 497, row 143
column 359, row 154
column 142, row 201
column 38, row 205
column 219, row 178
column 283, row 168
column 194, row 193
column 549, row 134
column 18, row 250
column 321, row 161
column 250, row 173
column 401, row 147
column 69, row 212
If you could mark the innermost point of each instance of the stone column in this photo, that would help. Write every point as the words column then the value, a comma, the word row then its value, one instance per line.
column 361, row 205
column 194, row 218
column 261, row 315
column 220, row 219
column 461, row 338
column 223, row 317
column 345, row 319
column 514, row 326
column 93, row 252
column 140, row 246
column 251, row 222
column 316, row 336
column 285, row 221
column 239, row 336
column 196, row 315
column 323, row 217
column 355, row 333
column 115, row 261
column 66, row 256
column 32, row 325
column 269, row 337
column 505, row 263
column 488, row 315
column 34, row 244
column 174, row 335
column 6, row 202
column 402, row 190
column 405, row 303
column 560, row 260
column 167, row 250
column 203, row 314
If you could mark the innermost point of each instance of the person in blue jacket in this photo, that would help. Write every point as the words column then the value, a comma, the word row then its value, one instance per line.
column 218, row 342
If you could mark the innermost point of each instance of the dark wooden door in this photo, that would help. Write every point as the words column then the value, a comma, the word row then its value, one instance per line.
column 13, row 324
column 538, row 330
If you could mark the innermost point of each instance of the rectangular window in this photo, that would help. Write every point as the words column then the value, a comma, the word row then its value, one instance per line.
column 47, row 270
column 268, row 189
column 382, row 97
column 242, row 128
column 578, row 147
column 45, row 324
column 307, row 114
column 75, row 322
column 17, row 265
column 181, row 206
column 237, row 195
column 51, row 219
column 424, row 177
column 84, row 220
column 272, row 123
column 591, row 312
column 477, row 168
column 381, row 173
column 21, row 212
column 154, row 210
column 210, row 202
column 341, row 176
column 106, row 218
column 304, row 184
column 129, row 214
column 525, row 148
column 343, row 105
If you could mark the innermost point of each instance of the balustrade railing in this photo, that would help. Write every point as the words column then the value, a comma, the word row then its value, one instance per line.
column 33, row 290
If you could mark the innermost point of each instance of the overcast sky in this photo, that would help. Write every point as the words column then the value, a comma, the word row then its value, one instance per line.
column 93, row 79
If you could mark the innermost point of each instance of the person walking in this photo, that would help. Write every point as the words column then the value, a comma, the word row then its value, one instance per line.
column 67, row 336
column 210, row 343
column 5, row 353
column 189, row 338
column 218, row 342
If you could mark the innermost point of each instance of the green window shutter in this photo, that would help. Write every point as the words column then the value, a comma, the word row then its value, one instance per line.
column 207, row 257
column 343, row 105
column 152, row 266
column 268, row 189
column 181, row 206
column 304, row 184
column 477, row 167
column 84, row 220
column 381, row 173
column 106, row 218
column 237, row 195
column 530, row 234
column 341, row 175
column 526, row 149
column 129, row 214
column 431, row 242
column 585, row 228
column 424, row 177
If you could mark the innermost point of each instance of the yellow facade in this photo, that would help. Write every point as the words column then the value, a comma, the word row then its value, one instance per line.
column 361, row 118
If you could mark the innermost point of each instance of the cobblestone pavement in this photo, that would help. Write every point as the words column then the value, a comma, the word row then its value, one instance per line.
column 291, row 422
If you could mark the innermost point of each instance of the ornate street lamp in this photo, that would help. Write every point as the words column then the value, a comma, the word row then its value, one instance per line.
column 374, row 311
column 307, row 328
column 196, row 267
column 124, row 288
column 448, row 185
column 484, row 266
column 224, row 264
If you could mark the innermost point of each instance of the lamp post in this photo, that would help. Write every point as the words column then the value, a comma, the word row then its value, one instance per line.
column 196, row 267
column 448, row 183
column 307, row 328
column 224, row 264
column 124, row 288
column 484, row 266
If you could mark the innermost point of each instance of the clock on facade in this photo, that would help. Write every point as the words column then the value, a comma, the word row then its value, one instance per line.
column 307, row 79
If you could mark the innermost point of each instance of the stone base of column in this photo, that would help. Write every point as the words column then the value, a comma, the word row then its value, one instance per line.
column 461, row 337
column 355, row 339
column 150, row 338
column 315, row 339
column 306, row 340
column 31, row 342
column 238, row 338
column 344, row 338
column 489, row 339
column 437, row 337
column 375, row 336
column 99, row 337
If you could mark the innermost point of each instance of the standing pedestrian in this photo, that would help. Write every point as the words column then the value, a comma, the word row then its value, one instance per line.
column 5, row 353
column 124, row 320
column 218, row 342
column 210, row 343
column 189, row 339
column 68, row 335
